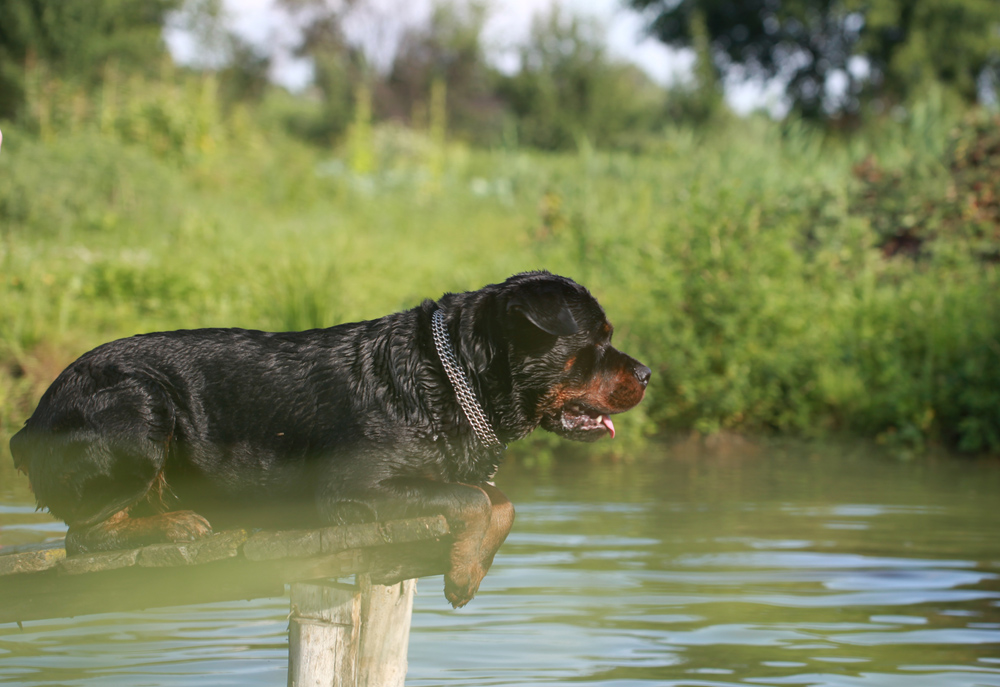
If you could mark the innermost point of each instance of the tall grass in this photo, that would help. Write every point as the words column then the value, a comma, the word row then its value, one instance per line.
column 729, row 259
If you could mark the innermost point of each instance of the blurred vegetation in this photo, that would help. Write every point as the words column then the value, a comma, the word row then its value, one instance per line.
column 882, row 53
column 566, row 92
column 76, row 38
column 942, row 204
column 777, row 276
column 569, row 94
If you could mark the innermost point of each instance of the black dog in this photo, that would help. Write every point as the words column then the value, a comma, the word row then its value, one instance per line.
column 143, row 438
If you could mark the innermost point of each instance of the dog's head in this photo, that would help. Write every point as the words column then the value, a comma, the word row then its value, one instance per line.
column 567, row 375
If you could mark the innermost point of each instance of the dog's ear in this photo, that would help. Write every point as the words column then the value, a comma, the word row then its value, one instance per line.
column 544, row 306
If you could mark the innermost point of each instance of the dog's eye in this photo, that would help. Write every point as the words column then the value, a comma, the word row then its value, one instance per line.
column 584, row 363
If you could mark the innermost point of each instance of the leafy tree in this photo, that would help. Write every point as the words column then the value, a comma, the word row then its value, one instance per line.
column 568, row 90
column 245, row 76
column 340, row 69
column 812, row 44
column 75, row 38
column 953, row 42
column 448, row 49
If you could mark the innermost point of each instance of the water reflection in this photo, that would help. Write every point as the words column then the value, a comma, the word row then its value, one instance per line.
column 778, row 567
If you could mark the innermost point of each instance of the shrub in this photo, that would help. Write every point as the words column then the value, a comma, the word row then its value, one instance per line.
column 950, row 206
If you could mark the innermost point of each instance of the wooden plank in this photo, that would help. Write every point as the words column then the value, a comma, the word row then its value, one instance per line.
column 11, row 549
column 30, row 561
column 408, row 561
column 381, row 533
column 99, row 562
column 215, row 569
column 214, row 548
column 265, row 545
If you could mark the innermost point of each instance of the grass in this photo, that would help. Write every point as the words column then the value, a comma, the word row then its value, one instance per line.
column 729, row 261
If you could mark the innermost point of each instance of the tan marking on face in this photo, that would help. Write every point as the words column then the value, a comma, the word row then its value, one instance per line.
column 613, row 391
column 563, row 394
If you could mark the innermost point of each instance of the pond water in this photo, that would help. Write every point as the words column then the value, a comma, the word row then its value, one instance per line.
column 761, row 565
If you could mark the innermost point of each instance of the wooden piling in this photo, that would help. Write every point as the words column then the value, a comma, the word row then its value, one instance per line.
column 385, row 632
column 324, row 629
column 349, row 635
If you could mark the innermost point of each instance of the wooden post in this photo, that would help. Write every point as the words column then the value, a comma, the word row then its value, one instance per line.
column 323, row 631
column 343, row 635
column 385, row 632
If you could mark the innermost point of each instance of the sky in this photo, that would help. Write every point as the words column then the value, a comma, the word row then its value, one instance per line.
column 381, row 22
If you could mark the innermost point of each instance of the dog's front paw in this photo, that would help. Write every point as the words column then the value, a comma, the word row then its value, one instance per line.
column 462, row 582
column 185, row 525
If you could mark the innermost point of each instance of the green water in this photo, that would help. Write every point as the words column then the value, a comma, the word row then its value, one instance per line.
column 792, row 565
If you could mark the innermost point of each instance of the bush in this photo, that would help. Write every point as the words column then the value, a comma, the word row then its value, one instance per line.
column 569, row 93
column 950, row 206
column 736, row 262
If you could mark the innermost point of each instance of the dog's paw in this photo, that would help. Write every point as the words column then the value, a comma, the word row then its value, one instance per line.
column 462, row 582
column 185, row 525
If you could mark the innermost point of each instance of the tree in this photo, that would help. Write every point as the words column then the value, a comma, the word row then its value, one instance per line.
column 569, row 91
column 836, row 55
column 340, row 69
column 953, row 42
column 245, row 76
column 75, row 38
column 449, row 50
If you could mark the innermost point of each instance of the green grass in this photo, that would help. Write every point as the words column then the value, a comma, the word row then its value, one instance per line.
column 728, row 260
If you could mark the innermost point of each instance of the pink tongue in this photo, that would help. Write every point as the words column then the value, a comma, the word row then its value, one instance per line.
column 609, row 424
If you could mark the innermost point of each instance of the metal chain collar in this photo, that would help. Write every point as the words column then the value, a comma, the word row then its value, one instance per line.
column 466, row 397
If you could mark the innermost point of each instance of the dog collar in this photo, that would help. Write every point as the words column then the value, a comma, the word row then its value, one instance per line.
column 466, row 396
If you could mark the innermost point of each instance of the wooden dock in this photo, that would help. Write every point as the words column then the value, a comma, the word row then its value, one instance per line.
column 340, row 633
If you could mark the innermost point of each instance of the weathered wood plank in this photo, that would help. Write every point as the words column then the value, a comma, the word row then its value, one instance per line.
column 264, row 546
column 99, row 562
column 216, row 569
column 214, row 548
column 30, row 561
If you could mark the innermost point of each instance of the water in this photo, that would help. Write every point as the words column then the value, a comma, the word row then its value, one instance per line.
column 758, row 566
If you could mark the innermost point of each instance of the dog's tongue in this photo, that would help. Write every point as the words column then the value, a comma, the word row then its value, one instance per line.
column 606, row 419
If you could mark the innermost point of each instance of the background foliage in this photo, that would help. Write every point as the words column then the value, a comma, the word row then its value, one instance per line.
column 882, row 52
column 778, row 277
column 76, row 39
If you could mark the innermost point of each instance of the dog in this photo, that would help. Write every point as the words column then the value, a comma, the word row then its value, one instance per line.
column 147, row 439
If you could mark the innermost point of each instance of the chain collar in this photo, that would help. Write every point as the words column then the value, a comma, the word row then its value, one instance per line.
column 466, row 396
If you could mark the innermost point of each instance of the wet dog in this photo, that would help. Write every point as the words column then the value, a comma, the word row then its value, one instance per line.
column 146, row 439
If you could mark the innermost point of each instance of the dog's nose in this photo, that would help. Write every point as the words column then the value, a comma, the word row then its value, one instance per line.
column 643, row 373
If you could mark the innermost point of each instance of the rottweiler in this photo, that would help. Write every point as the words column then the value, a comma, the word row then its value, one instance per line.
column 147, row 439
